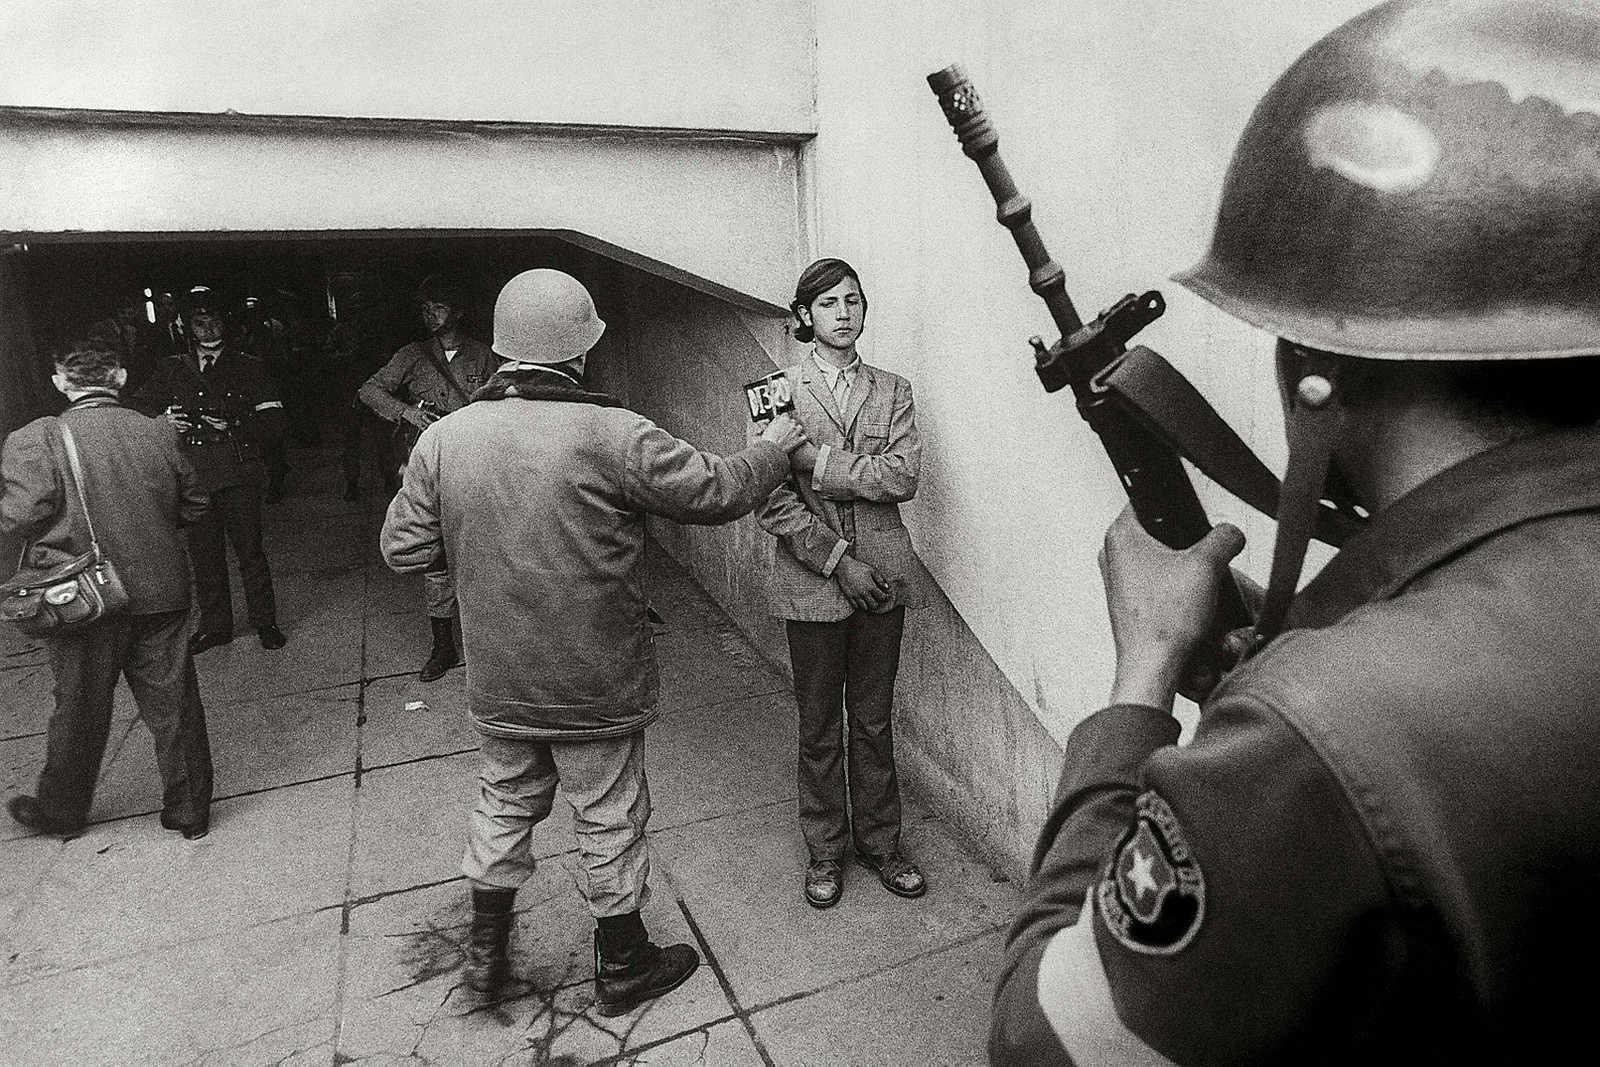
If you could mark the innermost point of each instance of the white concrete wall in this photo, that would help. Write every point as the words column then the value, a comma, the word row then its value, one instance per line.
column 685, row 64
column 1118, row 121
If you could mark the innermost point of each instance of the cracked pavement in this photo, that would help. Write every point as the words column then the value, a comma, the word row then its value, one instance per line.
column 322, row 920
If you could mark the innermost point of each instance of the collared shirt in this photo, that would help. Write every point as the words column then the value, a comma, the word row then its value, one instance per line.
column 1378, row 829
column 832, row 374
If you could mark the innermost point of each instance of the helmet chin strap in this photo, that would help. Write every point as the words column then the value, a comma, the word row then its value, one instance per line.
column 1314, row 421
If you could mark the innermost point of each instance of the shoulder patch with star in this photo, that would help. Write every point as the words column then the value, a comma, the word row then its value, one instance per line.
column 1153, row 897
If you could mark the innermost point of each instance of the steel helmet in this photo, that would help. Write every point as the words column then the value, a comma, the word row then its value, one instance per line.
column 544, row 317
column 1423, row 183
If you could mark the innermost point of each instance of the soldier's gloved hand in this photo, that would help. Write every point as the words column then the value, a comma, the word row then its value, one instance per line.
column 785, row 431
column 418, row 418
column 215, row 423
column 1162, row 602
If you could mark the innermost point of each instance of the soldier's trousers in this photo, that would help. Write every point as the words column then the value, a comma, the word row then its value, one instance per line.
column 153, row 652
column 603, row 780
column 235, row 512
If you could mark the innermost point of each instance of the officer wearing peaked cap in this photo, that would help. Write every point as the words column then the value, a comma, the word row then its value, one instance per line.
column 229, row 416
column 1383, row 843
column 537, row 491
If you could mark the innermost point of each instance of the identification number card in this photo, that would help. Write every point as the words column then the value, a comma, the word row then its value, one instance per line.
column 770, row 397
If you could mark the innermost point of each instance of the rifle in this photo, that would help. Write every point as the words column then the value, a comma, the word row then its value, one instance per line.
column 1085, row 358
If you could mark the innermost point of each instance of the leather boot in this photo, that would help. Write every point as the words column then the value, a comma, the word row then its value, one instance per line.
column 444, row 654
column 488, row 942
column 631, row 969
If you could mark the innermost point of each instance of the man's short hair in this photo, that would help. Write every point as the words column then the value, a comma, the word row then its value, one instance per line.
column 90, row 364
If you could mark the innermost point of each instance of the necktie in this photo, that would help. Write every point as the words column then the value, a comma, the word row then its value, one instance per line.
column 841, row 390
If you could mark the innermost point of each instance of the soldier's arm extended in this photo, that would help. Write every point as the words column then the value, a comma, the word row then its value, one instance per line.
column 672, row 478
column 381, row 391
column 412, row 538
column 812, row 541
column 886, row 477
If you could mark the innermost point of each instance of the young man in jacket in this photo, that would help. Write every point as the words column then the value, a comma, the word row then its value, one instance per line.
column 537, row 491
column 141, row 490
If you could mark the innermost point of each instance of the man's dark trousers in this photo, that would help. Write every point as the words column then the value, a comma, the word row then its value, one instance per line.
column 851, row 663
column 153, row 651
column 236, row 511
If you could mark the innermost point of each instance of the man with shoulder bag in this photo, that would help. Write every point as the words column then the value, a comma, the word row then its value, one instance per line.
column 102, row 485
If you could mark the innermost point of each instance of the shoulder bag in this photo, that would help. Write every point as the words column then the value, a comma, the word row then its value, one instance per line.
column 72, row 595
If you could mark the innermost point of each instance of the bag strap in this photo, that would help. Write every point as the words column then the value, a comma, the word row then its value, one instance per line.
column 77, row 483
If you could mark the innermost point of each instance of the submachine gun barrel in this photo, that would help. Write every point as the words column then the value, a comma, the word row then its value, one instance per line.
column 1152, row 473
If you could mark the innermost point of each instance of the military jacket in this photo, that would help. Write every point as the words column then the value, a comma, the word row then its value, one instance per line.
column 1382, row 843
column 236, row 389
column 410, row 376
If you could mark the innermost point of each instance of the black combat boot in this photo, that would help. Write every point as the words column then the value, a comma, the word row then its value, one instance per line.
column 488, row 941
column 444, row 654
column 630, row 969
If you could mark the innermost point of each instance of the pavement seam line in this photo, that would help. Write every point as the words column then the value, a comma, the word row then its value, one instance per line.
column 959, row 942
column 727, row 987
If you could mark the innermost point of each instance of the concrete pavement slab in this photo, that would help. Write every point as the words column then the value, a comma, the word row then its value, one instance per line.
column 742, row 875
column 26, row 861
column 20, row 761
column 321, row 653
column 397, row 641
column 403, row 995
column 391, row 733
column 269, row 855
column 699, row 669
column 719, row 759
column 26, row 697
column 265, row 995
column 255, row 745
column 928, row 1012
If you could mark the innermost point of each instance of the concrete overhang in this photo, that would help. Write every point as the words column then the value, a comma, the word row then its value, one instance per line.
column 719, row 211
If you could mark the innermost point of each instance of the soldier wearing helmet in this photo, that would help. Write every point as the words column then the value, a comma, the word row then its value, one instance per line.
column 537, row 491
column 1383, row 841
column 424, row 381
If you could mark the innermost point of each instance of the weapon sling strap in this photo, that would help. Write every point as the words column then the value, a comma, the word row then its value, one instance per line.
column 434, row 351
column 1146, row 384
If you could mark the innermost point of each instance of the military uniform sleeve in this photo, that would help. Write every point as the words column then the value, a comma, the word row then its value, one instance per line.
column 264, row 422
column 379, row 391
column 885, row 477
column 193, row 500
column 412, row 538
column 671, row 478
column 1233, row 917
column 812, row 541
column 33, row 492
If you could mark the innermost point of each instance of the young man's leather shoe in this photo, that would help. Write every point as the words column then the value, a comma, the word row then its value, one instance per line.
column 899, row 875
column 824, row 883
column 271, row 638
column 207, row 639
column 30, row 813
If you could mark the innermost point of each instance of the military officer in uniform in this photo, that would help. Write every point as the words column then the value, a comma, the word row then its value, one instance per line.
column 1383, row 842
column 228, row 416
column 424, row 381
